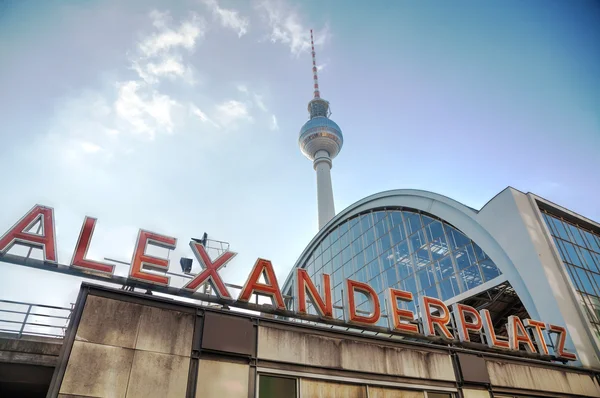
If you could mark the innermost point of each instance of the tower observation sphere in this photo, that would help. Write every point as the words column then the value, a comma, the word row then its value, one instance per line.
column 321, row 140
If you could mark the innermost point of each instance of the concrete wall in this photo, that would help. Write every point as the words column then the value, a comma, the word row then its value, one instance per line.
column 506, row 374
column 342, row 353
column 123, row 349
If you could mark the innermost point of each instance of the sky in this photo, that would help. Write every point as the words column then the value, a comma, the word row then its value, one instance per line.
column 183, row 117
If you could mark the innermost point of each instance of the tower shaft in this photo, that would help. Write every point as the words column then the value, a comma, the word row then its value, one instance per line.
column 321, row 140
column 326, row 208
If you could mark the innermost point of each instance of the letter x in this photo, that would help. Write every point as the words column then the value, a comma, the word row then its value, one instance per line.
column 210, row 272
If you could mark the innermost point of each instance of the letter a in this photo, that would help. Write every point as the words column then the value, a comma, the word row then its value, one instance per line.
column 19, row 234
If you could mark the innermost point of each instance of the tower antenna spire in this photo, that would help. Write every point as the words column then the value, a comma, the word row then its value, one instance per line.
column 314, row 59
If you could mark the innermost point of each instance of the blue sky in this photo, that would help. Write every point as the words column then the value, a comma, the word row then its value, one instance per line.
column 182, row 117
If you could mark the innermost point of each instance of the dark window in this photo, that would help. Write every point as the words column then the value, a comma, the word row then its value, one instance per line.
column 276, row 387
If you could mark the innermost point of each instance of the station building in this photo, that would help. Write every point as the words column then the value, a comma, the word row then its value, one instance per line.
column 518, row 255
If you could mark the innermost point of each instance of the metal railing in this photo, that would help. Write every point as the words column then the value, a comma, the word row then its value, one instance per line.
column 19, row 319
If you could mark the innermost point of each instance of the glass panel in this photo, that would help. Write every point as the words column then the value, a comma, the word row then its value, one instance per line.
column 348, row 269
column 425, row 277
column 373, row 269
column 391, row 278
column 576, row 235
column 445, row 268
column 335, row 235
column 384, row 243
column 359, row 261
column 396, row 218
column 465, row 257
column 405, row 269
column 338, row 276
column 355, row 231
column 489, row 269
column 387, row 259
column 380, row 228
column 438, row 248
column 335, row 248
column 471, row 277
column 336, row 263
column 366, row 222
column 274, row 386
column 344, row 240
column 409, row 285
column 326, row 256
column 572, row 254
column 370, row 253
column 397, row 235
column 560, row 229
column 413, row 222
column 416, row 241
column 421, row 258
column 449, row 288
column 586, row 284
column 432, row 292
column 426, row 220
column 361, row 274
column 346, row 254
column 401, row 252
column 480, row 254
column 344, row 228
column 369, row 237
column 591, row 242
column 457, row 239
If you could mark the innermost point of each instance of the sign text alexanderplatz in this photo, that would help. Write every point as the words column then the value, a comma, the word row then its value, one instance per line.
column 437, row 319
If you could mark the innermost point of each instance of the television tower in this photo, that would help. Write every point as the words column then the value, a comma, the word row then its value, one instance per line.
column 321, row 140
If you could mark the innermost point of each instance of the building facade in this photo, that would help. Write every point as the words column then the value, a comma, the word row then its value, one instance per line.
column 518, row 254
column 124, row 344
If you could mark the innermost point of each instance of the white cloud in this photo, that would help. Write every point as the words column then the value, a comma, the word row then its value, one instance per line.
column 144, row 109
column 287, row 29
column 167, row 38
column 274, row 125
column 159, row 55
column 229, row 18
column 90, row 147
column 254, row 97
column 232, row 111
column 169, row 66
column 201, row 115
column 259, row 102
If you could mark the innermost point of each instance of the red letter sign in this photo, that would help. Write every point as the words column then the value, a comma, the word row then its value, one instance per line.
column 430, row 321
column 304, row 285
column 270, row 289
column 490, row 334
column 536, row 328
column 81, row 249
column 559, row 346
column 142, row 261
column 351, row 315
column 210, row 273
column 396, row 315
column 18, row 233
column 460, row 312
column 518, row 335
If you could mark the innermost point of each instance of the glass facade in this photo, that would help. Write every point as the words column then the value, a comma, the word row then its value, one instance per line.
column 579, row 249
column 404, row 249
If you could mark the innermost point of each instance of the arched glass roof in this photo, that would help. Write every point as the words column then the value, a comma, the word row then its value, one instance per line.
column 400, row 248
